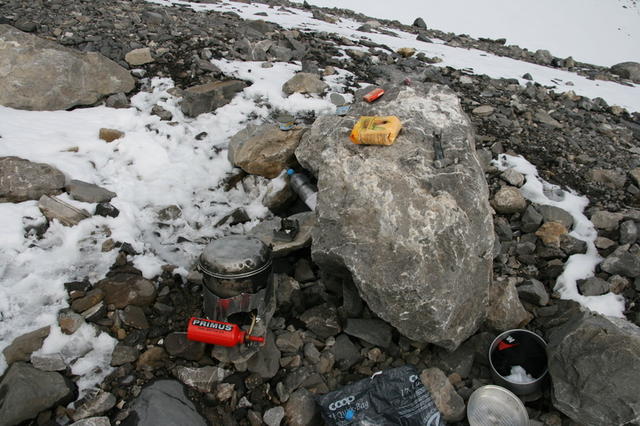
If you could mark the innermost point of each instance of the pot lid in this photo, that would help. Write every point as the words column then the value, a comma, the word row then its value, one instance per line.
column 235, row 256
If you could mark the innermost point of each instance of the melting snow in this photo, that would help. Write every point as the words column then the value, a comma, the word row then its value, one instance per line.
column 578, row 266
column 155, row 165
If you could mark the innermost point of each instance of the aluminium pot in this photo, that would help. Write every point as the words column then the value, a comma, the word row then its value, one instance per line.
column 236, row 271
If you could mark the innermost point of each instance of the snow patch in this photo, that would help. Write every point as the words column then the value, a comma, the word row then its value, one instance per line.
column 578, row 266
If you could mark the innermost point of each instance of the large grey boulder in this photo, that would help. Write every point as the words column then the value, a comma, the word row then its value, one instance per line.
column 593, row 366
column 630, row 70
column 22, row 180
column 208, row 97
column 264, row 150
column 38, row 74
column 164, row 402
column 26, row 391
column 416, row 235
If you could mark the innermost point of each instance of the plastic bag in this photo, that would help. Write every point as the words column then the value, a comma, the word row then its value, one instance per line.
column 391, row 397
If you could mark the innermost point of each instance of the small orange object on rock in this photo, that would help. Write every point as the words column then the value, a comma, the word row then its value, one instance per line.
column 373, row 95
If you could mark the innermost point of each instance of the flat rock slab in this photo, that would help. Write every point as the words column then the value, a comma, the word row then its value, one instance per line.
column 41, row 75
column 264, row 231
column 208, row 97
column 26, row 391
column 164, row 402
column 413, row 230
column 22, row 180
column 68, row 215
column 89, row 192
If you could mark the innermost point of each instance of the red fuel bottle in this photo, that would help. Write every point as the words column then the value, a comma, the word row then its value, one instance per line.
column 373, row 95
column 218, row 333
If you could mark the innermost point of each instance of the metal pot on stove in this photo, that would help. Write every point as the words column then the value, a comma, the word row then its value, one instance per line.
column 237, row 272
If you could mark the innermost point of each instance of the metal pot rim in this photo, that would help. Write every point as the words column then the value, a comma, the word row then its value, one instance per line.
column 206, row 271
column 498, row 338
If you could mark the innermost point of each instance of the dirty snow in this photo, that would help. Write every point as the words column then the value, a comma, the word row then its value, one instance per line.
column 154, row 166
column 578, row 266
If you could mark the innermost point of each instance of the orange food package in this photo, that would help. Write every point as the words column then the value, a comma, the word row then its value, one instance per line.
column 376, row 130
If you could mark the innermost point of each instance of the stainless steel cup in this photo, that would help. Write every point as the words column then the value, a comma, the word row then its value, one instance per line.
column 518, row 347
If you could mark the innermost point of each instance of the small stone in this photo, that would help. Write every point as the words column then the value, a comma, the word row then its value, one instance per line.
column 512, row 177
column 304, row 83
column 202, row 378
column 346, row 353
column 48, row 362
column 609, row 178
column 152, row 358
column 110, row 135
column 605, row 220
column 224, row 391
column 447, row 400
column 509, row 200
column 289, row 342
column 550, row 233
column 273, row 416
column 266, row 362
column 544, row 118
column 634, row 174
column 119, row 100
column 69, row 321
column 603, row 243
column 556, row 214
column 329, row 70
column 94, row 406
column 505, row 309
column 303, row 272
column 618, row 284
column 93, row 421
column 95, row 313
column 406, row 52
column 89, row 193
column 322, row 320
column 138, row 57
column 593, row 286
column 159, row 111
column 483, row 110
column 106, row 210
column 23, row 346
column 54, row 208
column 531, row 220
column 571, row 245
column 419, row 22
column 622, row 262
column 628, row 232
column 533, row 291
column 127, row 289
column 311, row 353
column 91, row 299
column 123, row 354
column 176, row 344
column 376, row 332
column 133, row 316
